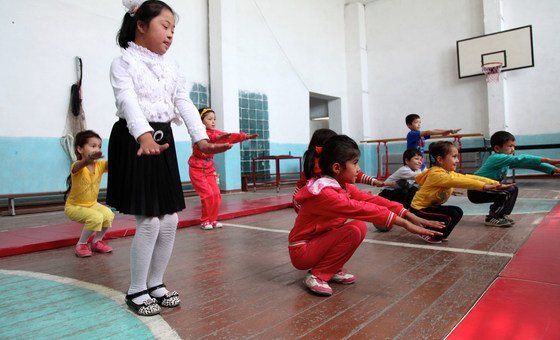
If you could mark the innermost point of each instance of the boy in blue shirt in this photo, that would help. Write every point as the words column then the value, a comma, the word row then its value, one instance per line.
column 496, row 167
column 415, row 139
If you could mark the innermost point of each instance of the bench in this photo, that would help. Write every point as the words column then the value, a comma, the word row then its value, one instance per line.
column 35, row 202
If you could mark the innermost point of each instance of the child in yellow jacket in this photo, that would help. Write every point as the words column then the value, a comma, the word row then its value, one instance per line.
column 436, row 186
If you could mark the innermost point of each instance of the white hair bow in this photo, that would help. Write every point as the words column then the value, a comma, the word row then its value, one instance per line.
column 132, row 5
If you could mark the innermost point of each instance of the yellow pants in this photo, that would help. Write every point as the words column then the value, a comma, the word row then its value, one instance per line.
column 94, row 218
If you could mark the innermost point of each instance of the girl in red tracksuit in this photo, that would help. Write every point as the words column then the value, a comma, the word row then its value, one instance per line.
column 311, row 164
column 202, row 170
column 322, row 240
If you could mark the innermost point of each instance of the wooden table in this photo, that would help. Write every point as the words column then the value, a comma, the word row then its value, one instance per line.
column 277, row 160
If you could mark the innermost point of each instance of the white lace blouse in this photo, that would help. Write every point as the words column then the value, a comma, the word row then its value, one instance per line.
column 148, row 89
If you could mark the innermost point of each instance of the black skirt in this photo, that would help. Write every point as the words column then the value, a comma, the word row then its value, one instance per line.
column 145, row 185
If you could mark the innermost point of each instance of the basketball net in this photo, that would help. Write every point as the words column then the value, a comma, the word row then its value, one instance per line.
column 492, row 71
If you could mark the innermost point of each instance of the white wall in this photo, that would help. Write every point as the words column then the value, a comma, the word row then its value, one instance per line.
column 286, row 50
column 40, row 40
column 413, row 66
column 532, row 93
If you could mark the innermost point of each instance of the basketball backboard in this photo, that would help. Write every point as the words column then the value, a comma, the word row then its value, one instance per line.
column 513, row 48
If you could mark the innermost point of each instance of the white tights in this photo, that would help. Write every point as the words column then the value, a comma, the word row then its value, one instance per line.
column 150, row 252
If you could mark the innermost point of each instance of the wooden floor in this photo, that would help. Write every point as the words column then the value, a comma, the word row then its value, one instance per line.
column 238, row 282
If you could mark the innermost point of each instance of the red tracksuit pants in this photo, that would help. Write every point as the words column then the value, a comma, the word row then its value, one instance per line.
column 326, row 254
column 206, row 186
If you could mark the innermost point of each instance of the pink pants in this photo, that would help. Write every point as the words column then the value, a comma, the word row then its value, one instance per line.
column 326, row 255
column 206, row 186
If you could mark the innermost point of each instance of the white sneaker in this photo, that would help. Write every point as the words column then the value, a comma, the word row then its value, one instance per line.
column 217, row 224
column 206, row 226
column 343, row 278
column 317, row 286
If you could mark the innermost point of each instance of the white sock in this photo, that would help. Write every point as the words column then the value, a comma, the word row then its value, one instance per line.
column 141, row 251
column 99, row 235
column 162, row 252
column 84, row 237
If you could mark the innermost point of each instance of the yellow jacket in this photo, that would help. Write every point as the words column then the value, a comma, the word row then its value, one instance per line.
column 436, row 185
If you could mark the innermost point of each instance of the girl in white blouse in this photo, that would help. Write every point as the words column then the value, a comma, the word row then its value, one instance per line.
column 143, row 178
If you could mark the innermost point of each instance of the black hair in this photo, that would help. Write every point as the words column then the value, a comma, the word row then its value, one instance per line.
column 203, row 109
column 319, row 138
column 500, row 138
column 439, row 149
column 145, row 13
column 410, row 118
column 337, row 149
column 409, row 153
column 80, row 140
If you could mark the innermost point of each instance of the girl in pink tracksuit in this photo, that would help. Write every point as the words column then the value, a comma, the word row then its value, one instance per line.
column 202, row 169
column 322, row 239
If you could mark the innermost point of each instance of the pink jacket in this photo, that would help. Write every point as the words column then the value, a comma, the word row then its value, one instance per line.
column 326, row 206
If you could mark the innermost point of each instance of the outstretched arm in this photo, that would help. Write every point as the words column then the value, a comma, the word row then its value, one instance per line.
column 212, row 148
column 440, row 132
column 416, row 229
column 86, row 160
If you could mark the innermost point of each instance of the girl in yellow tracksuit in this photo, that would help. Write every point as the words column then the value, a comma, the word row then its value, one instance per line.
column 436, row 186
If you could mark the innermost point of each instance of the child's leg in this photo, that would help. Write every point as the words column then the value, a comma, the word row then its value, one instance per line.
column 510, row 199
column 108, row 217
column 91, row 218
column 448, row 214
column 392, row 195
column 496, row 197
column 216, row 197
column 200, row 184
column 162, row 252
column 141, row 251
column 328, row 253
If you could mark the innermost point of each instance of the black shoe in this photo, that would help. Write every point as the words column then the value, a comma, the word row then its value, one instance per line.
column 169, row 300
column 147, row 308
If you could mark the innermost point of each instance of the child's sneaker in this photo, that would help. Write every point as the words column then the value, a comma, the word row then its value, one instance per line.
column 344, row 278
column 317, row 286
column 101, row 247
column 429, row 239
column 510, row 220
column 206, row 226
column 82, row 250
column 497, row 222
column 217, row 224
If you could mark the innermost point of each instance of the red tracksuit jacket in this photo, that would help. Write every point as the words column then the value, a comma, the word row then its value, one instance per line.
column 326, row 206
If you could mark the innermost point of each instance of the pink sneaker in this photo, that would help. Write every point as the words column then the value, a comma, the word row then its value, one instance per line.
column 317, row 286
column 101, row 247
column 206, row 226
column 342, row 277
column 217, row 224
column 82, row 250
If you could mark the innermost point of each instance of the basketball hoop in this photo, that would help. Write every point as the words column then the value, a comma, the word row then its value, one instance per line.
column 492, row 71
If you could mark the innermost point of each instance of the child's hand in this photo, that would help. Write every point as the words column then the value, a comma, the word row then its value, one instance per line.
column 557, row 170
column 422, row 222
column 390, row 184
column 415, row 229
column 212, row 148
column 93, row 156
column 455, row 131
column 505, row 186
column 379, row 184
column 148, row 145
column 253, row 136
